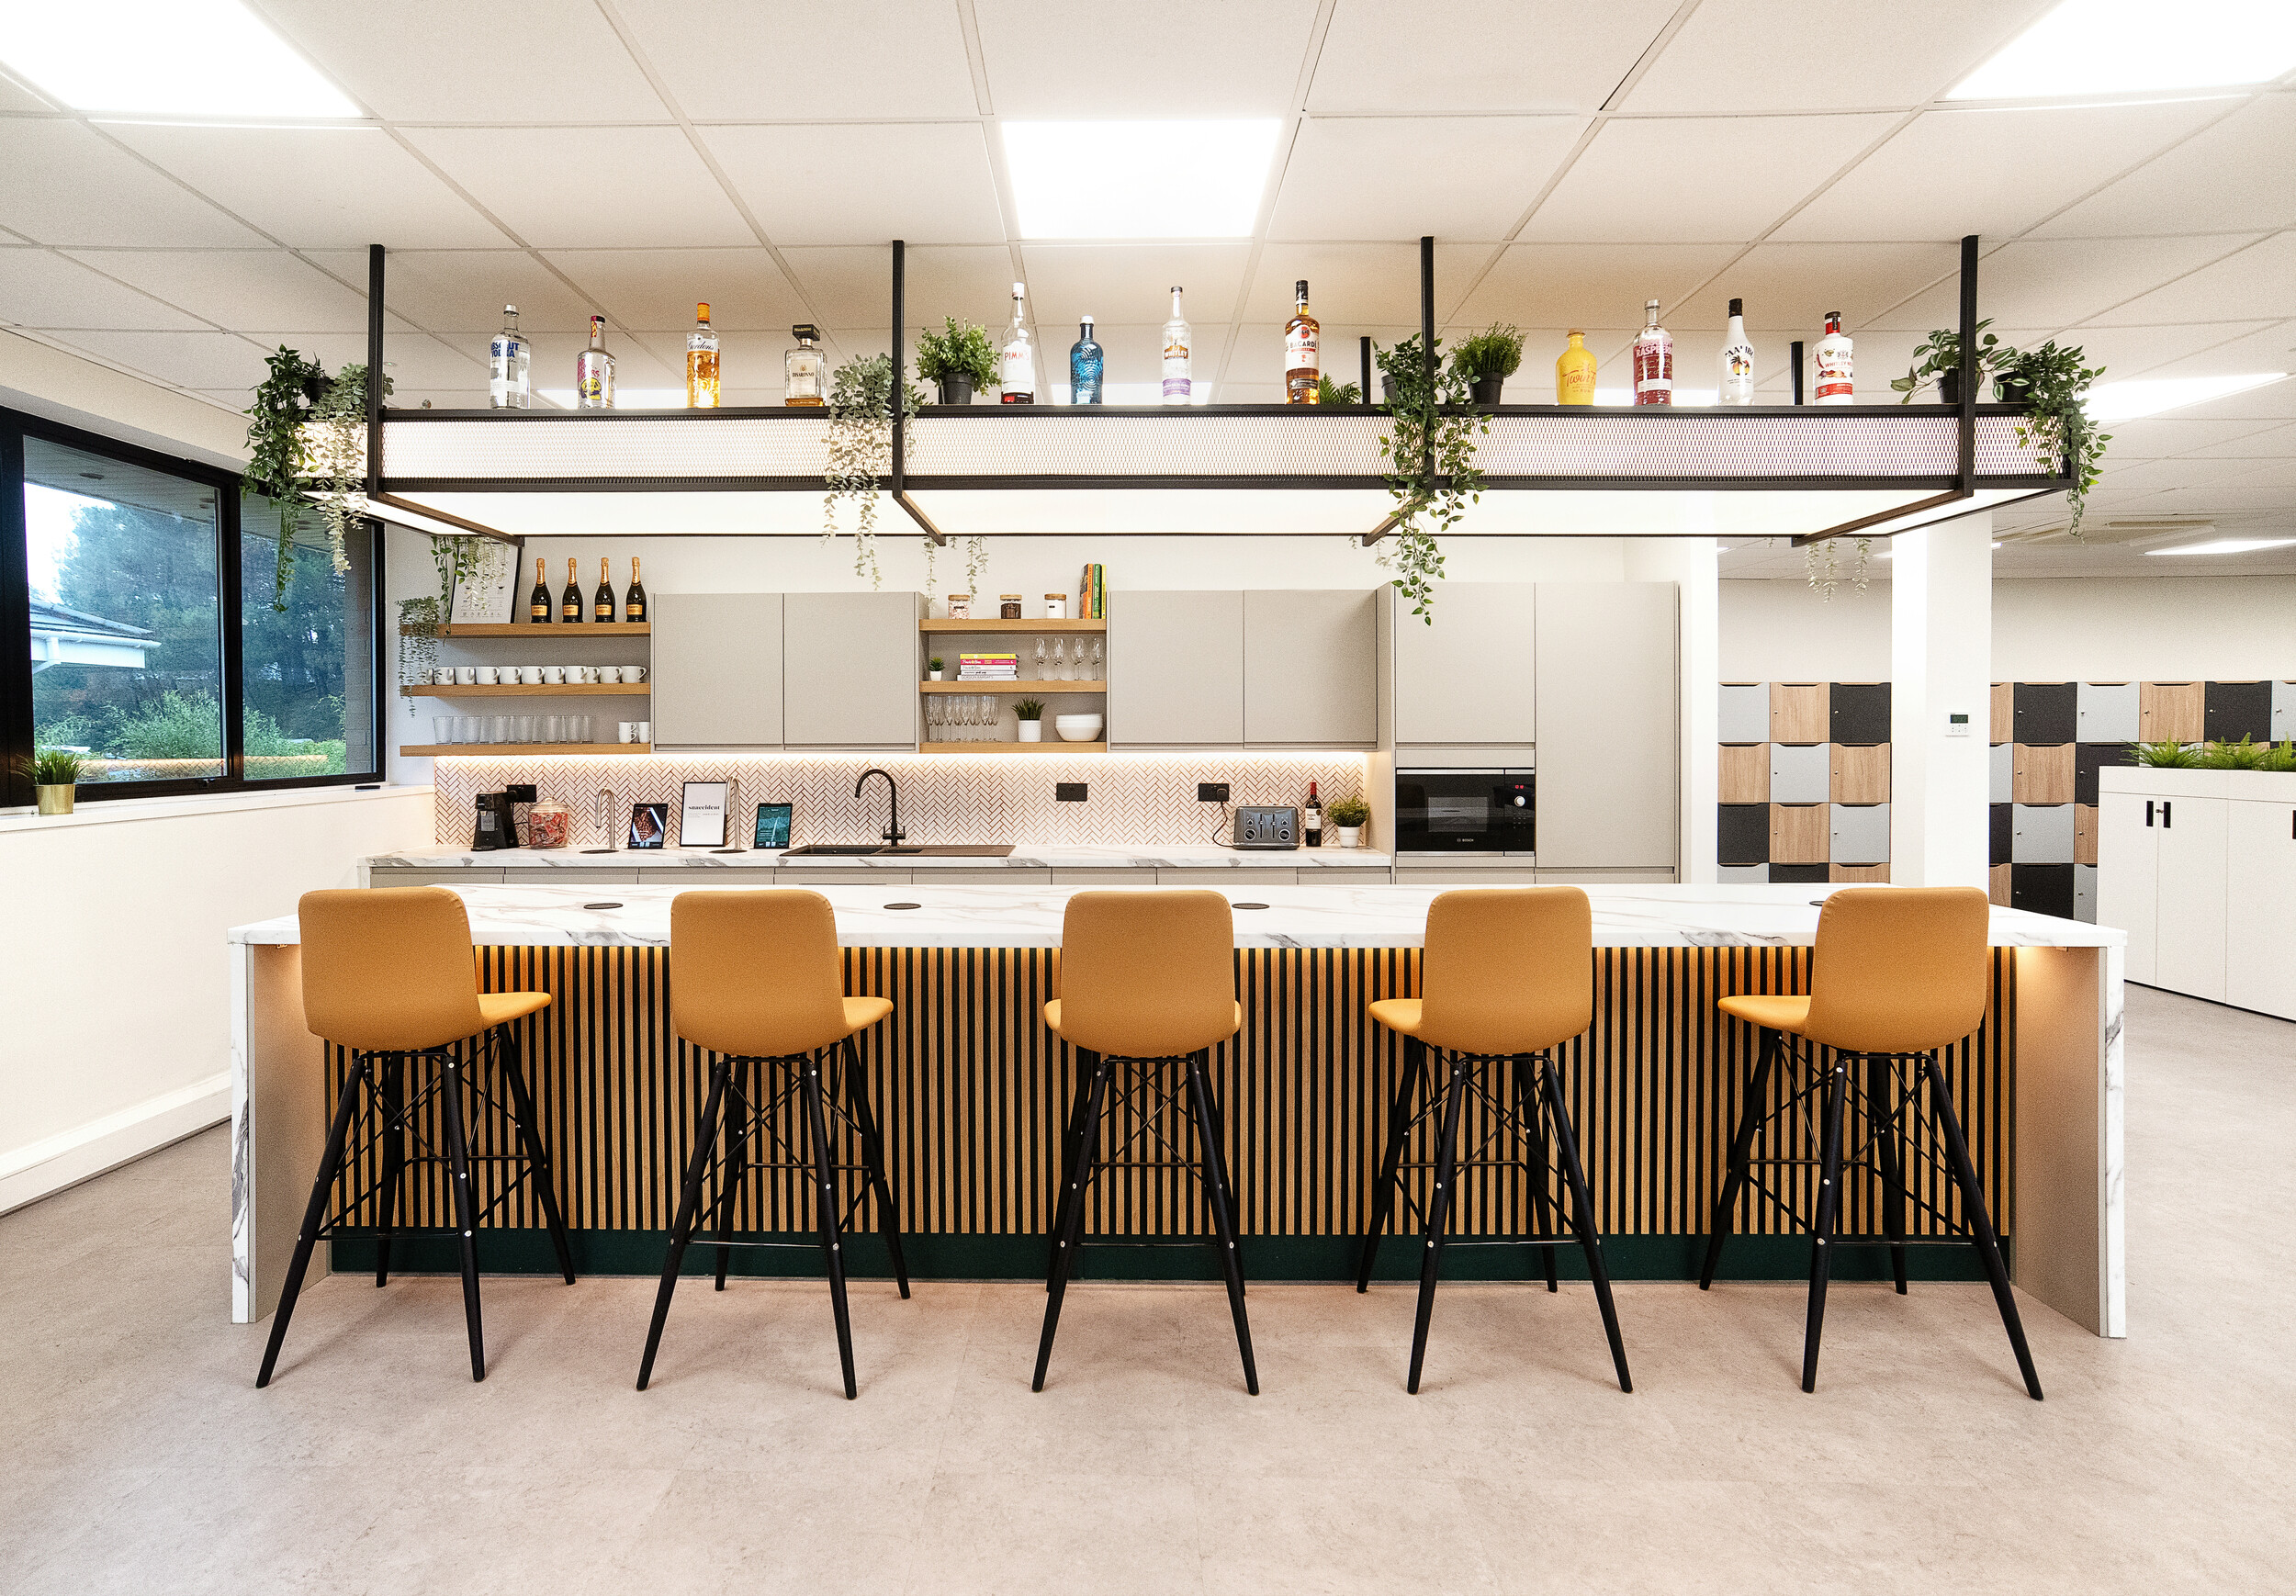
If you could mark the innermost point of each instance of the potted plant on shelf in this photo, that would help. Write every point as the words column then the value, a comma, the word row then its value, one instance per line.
column 933, row 668
column 1029, row 713
column 958, row 359
column 56, row 773
column 1347, row 816
column 1487, row 359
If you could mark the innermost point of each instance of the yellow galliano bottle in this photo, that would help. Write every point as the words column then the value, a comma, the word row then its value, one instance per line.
column 1575, row 372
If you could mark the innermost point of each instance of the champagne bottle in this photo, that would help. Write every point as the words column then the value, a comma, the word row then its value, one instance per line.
column 603, row 606
column 634, row 601
column 571, row 602
column 538, row 602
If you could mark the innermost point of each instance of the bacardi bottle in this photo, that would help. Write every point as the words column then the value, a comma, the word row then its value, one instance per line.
column 593, row 371
column 1015, row 373
column 1086, row 359
column 1834, row 386
column 507, row 358
column 702, row 361
column 1303, row 369
column 1178, row 342
column 1654, row 360
column 1738, row 361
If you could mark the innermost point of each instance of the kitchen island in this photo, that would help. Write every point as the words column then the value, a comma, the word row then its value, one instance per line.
column 973, row 1088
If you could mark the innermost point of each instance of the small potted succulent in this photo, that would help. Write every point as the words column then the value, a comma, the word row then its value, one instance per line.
column 55, row 772
column 1348, row 817
column 933, row 668
column 959, row 359
column 1029, row 713
column 1487, row 359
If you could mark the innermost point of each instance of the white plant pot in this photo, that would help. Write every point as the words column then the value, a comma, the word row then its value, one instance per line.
column 1031, row 731
column 1350, row 836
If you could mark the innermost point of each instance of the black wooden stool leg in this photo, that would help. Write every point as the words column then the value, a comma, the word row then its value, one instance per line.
column 1398, row 1128
column 1981, row 1225
column 394, row 1164
column 1582, row 1217
column 466, row 1212
column 537, row 1155
column 1065, row 1245
column 733, row 1164
column 1222, row 1199
column 1881, row 1122
column 1527, row 1109
column 681, row 1228
column 873, row 1158
column 1741, row 1146
column 1438, row 1216
column 826, row 1198
column 314, row 1216
column 1829, row 1222
column 1086, row 1061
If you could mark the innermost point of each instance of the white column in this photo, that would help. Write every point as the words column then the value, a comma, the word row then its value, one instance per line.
column 1694, row 564
column 1940, row 646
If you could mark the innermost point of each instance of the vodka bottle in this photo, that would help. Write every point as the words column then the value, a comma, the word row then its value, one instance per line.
column 1303, row 368
column 1738, row 361
column 1833, row 364
column 507, row 358
column 702, row 361
column 1086, row 359
column 593, row 371
column 1654, row 360
column 1178, row 341
column 1016, row 365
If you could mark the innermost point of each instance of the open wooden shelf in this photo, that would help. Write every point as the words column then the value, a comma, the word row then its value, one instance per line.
column 559, row 629
column 522, row 689
column 1031, row 689
column 468, row 750
column 1054, row 747
column 988, row 626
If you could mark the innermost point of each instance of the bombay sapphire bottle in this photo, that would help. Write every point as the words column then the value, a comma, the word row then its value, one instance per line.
column 1083, row 367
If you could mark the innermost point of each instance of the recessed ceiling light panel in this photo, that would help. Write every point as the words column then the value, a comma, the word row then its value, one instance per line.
column 1138, row 180
column 2121, row 47
column 2125, row 401
column 184, row 57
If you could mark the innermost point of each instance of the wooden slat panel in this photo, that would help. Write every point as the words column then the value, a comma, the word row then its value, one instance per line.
column 1861, row 772
column 1745, row 773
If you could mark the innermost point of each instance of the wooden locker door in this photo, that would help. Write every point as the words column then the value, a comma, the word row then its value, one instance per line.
column 2128, row 876
column 2260, row 907
column 2191, row 956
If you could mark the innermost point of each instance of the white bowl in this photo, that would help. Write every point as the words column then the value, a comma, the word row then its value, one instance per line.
column 1079, row 728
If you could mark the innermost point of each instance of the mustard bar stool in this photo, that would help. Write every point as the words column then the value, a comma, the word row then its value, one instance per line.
column 390, row 975
column 754, row 977
column 1898, row 975
column 1507, row 977
column 1147, row 984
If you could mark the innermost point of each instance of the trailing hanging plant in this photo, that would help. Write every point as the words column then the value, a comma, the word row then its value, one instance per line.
column 338, row 464
column 2052, row 386
column 1430, row 449
column 860, row 449
column 278, row 454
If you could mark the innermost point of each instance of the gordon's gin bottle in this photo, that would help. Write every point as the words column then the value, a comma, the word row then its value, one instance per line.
column 1833, row 363
column 1654, row 360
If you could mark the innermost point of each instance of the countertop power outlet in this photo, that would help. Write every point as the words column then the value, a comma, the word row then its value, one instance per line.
column 1212, row 791
column 1069, row 791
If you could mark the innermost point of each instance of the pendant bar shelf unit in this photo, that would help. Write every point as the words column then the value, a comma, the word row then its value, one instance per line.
column 1809, row 471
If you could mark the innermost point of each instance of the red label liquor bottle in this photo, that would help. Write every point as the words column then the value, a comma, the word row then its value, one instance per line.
column 1834, row 386
column 1654, row 360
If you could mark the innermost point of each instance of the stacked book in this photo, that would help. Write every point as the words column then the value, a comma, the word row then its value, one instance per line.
column 1092, row 594
column 989, row 668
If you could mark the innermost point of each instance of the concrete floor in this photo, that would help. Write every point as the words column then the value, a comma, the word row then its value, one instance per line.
column 136, row 1455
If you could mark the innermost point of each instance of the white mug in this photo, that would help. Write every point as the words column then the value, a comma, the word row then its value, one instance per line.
column 533, row 675
column 444, row 676
column 467, row 675
column 555, row 675
column 633, row 674
column 625, row 731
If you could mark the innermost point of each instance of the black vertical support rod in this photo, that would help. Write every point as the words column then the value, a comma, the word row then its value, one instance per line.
column 1969, row 363
column 1793, row 368
column 373, row 369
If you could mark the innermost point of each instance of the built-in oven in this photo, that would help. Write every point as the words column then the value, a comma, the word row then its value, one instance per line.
column 1466, row 812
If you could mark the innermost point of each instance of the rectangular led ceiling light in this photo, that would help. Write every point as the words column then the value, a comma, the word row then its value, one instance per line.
column 185, row 58
column 2118, row 46
column 2125, row 401
column 1139, row 180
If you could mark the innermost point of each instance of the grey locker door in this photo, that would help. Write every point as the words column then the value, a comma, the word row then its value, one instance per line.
column 1609, row 724
column 717, row 671
column 849, row 670
column 1176, row 669
column 1468, row 680
column 1311, row 662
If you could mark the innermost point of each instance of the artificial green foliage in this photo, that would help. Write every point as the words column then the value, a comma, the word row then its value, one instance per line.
column 860, row 450
column 1490, row 355
column 2166, row 756
column 961, row 348
column 1348, row 812
column 1431, row 475
column 1029, row 709
column 52, row 768
column 1328, row 392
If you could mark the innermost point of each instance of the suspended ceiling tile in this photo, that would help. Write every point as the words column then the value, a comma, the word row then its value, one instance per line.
column 656, row 290
column 318, row 188
column 62, row 184
column 2258, row 281
column 416, row 361
column 1400, row 178
column 1694, row 179
column 1053, row 58
column 1747, row 57
column 2056, row 282
column 1795, row 285
column 1588, row 286
column 200, row 360
column 42, row 288
column 1991, row 172
column 2127, row 352
column 736, row 60
column 2251, row 439
column 2233, row 175
column 1133, row 284
column 451, row 60
column 589, row 187
column 464, row 290
column 863, row 182
column 237, row 288
column 853, row 285
column 1375, row 283
column 1479, row 55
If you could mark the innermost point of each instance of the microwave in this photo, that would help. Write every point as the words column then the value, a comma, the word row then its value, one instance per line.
column 1466, row 811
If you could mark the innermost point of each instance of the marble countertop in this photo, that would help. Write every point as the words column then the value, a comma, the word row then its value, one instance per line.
column 1297, row 916
column 1024, row 856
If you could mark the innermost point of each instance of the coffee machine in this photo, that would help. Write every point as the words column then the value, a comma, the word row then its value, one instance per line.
column 496, row 824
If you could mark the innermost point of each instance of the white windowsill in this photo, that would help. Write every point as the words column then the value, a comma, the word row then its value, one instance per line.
column 115, row 810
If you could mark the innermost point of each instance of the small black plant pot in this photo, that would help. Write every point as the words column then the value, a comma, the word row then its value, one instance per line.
column 1486, row 390
column 956, row 390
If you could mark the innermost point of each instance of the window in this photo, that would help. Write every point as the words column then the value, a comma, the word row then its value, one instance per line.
column 167, row 667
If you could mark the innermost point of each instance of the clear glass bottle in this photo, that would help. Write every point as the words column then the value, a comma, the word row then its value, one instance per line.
column 593, row 371
column 1575, row 372
column 1654, row 360
column 1178, row 342
column 1303, row 369
column 508, row 356
column 803, row 371
column 702, row 361
column 1016, row 365
column 1738, row 361
column 1834, row 365
column 1086, row 359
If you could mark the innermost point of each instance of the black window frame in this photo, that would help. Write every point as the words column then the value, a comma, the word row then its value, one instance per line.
column 16, row 621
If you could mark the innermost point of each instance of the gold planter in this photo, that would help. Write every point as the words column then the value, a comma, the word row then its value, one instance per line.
column 56, row 800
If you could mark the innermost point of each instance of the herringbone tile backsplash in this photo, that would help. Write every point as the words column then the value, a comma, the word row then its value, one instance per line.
column 1130, row 798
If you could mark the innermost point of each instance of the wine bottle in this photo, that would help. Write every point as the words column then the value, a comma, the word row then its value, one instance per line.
column 571, row 602
column 1738, row 361
column 1312, row 818
column 538, row 602
column 634, row 601
column 603, row 606
column 1834, row 386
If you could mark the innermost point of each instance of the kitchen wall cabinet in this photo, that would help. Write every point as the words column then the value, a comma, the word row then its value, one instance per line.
column 1465, row 689
column 1607, row 708
column 849, row 671
column 1176, row 669
column 717, row 671
column 1310, row 666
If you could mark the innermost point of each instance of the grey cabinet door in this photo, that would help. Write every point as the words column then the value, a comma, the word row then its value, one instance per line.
column 717, row 671
column 1176, row 669
column 1311, row 660
column 1467, row 680
column 849, row 671
column 1609, row 724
